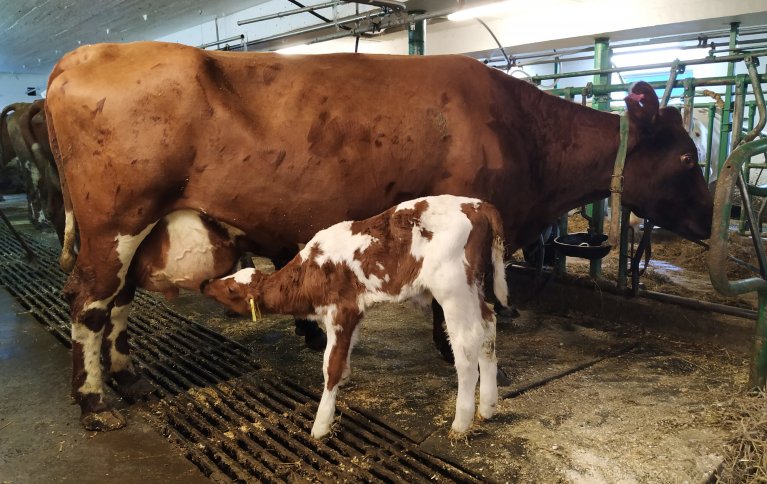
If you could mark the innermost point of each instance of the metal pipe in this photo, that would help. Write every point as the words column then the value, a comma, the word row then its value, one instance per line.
column 387, row 21
column 670, row 83
column 602, row 103
column 653, row 41
column 756, row 86
column 286, row 13
column 692, row 62
column 708, row 81
column 222, row 41
column 721, row 223
column 416, row 36
column 605, row 286
column 390, row 4
column 317, row 27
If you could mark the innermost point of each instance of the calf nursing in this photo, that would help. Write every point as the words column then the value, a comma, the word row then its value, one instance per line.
column 434, row 246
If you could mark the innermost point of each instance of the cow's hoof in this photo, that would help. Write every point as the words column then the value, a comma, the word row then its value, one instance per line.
column 103, row 421
column 136, row 389
column 510, row 312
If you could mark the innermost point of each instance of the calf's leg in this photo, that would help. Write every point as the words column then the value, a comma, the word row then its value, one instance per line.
column 340, row 325
column 466, row 333
column 488, row 370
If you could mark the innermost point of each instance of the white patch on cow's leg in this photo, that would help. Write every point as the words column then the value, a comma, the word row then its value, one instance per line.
column 119, row 360
column 90, row 342
column 488, row 370
column 463, row 320
column 327, row 408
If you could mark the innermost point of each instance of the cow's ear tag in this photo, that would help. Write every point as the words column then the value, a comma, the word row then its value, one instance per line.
column 255, row 312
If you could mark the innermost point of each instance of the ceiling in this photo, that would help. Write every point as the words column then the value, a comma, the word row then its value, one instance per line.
column 34, row 34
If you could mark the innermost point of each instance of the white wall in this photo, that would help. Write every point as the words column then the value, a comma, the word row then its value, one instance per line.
column 13, row 87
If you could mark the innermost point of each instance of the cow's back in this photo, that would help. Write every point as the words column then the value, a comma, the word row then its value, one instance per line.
column 279, row 146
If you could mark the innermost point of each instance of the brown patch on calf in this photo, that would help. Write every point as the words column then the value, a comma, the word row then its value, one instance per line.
column 478, row 249
column 347, row 320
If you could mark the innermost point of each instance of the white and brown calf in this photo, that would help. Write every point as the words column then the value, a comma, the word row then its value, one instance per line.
column 434, row 246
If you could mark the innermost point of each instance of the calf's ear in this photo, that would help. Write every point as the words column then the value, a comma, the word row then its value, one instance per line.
column 642, row 105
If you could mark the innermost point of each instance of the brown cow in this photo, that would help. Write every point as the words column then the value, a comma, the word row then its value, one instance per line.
column 280, row 147
column 27, row 139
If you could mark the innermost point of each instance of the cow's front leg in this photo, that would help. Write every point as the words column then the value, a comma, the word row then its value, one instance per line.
column 87, row 387
column 341, row 330
column 115, row 350
column 314, row 338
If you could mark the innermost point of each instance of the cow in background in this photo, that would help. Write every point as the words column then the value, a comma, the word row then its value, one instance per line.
column 28, row 140
column 11, row 176
column 280, row 147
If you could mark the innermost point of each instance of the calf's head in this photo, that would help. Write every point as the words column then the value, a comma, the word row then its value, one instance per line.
column 237, row 290
column 662, row 179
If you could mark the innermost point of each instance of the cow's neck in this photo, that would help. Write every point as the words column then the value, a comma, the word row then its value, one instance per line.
column 578, row 157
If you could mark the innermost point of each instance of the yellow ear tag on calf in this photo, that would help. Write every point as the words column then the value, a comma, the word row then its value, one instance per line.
column 255, row 312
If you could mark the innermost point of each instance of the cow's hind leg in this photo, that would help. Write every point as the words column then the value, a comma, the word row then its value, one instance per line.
column 340, row 325
column 92, row 288
column 115, row 351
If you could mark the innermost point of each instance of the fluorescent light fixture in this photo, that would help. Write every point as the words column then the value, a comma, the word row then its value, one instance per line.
column 487, row 10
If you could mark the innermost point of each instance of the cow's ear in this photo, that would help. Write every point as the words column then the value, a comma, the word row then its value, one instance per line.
column 670, row 116
column 642, row 104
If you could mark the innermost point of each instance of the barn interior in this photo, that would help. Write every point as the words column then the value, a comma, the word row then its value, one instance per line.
column 625, row 364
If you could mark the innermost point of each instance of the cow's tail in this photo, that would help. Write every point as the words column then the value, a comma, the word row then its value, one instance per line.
column 68, row 252
column 497, row 252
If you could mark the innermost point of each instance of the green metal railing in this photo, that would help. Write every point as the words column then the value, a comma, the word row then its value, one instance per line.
column 729, row 175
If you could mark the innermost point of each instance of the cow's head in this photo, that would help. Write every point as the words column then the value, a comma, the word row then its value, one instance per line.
column 662, row 179
column 236, row 291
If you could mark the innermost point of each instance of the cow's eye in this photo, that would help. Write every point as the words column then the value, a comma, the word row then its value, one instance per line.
column 689, row 160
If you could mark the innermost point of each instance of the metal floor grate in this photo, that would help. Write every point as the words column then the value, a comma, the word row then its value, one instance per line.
column 235, row 419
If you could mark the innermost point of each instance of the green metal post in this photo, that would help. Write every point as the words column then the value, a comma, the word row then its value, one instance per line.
column 758, row 373
column 725, row 125
column 602, row 103
column 561, row 264
column 719, row 243
column 416, row 35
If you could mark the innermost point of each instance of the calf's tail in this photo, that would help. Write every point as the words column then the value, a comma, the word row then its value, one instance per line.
column 497, row 251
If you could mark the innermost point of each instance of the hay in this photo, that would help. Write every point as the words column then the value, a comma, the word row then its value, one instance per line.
column 746, row 451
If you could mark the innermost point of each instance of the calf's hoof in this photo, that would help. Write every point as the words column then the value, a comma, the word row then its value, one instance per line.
column 320, row 430
column 133, row 388
column 103, row 421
